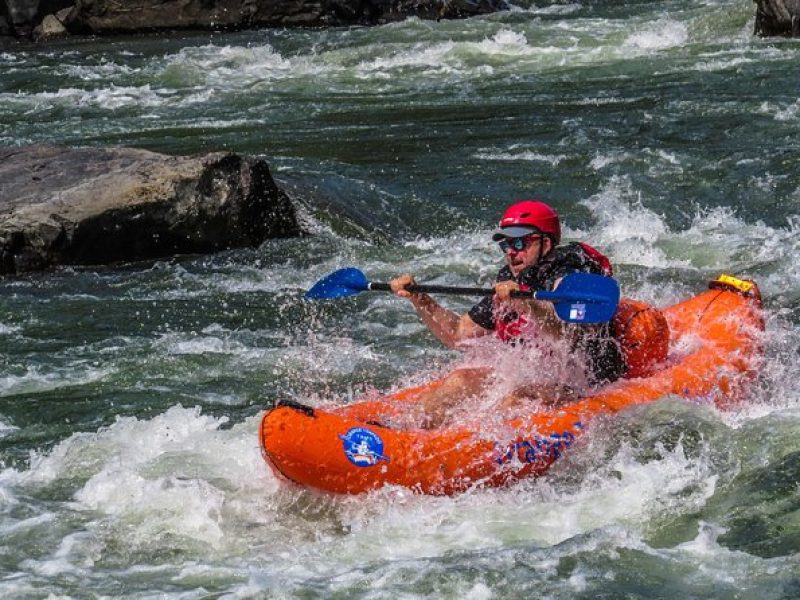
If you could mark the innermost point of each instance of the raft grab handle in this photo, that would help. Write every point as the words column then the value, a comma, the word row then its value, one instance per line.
column 730, row 283
column 303, row 408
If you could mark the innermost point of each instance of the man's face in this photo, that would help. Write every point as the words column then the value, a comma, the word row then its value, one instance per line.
column 524, row 252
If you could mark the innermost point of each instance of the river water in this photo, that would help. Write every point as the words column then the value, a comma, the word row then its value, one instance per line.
column 130, row 396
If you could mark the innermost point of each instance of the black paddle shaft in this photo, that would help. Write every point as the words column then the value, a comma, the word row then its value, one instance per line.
column 446, row 289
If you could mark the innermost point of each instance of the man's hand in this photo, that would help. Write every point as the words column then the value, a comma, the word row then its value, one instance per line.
column 503, row 290
column 399, row 284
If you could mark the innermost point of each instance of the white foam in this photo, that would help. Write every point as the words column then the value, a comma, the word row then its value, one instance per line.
column 722, row 64
column 506, row 49
column 99, row 72
column 537, row 512
column 629, row 232
column 556, row 9
column 23, row 525
column 234, row 67
column 636, row 492
column 168, row 476
column 716, row 239
column 471, row 58
column 787, row 111
column 719, row 239
column 713, row 562
column 516, row 152
column 775, row 394
column 8, row 329
column 325, row 355
column 5, row 428
column 62, row 561
column 666, row 34
column 199, row 74
column 182, row 343
column 600, row 161
column 109, row 98
column 420, row 55
column 506, row 41
column 157, row 506
column 40, row 379
column 277, row 279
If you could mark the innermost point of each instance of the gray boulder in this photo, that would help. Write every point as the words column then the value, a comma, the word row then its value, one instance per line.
column 777, row 17
column 49, row 29
column 98, row 206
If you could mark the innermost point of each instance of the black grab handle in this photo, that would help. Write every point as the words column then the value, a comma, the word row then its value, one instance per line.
column 303, row 408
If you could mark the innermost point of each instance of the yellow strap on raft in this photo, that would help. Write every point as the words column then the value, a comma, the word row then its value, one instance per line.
column 734, row 284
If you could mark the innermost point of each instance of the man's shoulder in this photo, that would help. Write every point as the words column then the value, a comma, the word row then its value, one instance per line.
column 568, row 258
column 571, row 253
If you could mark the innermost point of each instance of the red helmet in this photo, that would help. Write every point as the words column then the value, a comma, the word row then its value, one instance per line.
column 526, row 217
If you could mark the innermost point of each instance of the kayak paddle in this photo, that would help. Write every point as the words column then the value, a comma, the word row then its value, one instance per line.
column 580, row 297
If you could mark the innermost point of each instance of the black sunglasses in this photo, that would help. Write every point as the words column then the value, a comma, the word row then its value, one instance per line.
column 517, row 244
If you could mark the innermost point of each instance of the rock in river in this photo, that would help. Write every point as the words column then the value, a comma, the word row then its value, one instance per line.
column 109, row 17
column 777, row 17
column 94, row 206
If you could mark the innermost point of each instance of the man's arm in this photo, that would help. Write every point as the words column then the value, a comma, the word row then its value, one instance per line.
column 541, row 310
column 446, row 325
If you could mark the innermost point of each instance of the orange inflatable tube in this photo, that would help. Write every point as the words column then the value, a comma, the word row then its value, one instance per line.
column 643, row 335
column 714, row 355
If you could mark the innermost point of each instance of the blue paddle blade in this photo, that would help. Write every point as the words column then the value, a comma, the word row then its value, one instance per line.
column 584, row 298
column 341, row 283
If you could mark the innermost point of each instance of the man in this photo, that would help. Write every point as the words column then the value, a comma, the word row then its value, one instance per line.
column 529, row 235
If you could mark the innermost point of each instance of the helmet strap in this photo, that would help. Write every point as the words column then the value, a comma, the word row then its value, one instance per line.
column 542, row 253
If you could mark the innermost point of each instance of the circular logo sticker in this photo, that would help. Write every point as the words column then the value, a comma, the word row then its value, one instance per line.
column 363, row 447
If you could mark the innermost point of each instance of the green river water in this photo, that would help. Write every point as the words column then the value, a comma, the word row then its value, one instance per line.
column 665, row 134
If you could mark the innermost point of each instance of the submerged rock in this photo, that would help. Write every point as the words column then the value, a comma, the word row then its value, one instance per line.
column 98, row 206
column 777, row 17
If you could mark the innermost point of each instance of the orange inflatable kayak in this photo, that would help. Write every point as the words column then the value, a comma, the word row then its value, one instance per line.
column 713, row 356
